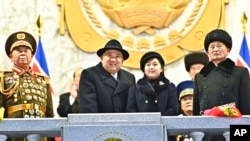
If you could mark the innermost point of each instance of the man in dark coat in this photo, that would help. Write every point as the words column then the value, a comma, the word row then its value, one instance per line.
column 68, row 102
column 104, row 87
column 221, row 81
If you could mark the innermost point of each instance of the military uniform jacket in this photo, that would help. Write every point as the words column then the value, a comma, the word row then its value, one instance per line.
column 25, row 94
column 222, row 84
column 183, row 137
column 99, row 92
column 160, row 96
column 64, row 107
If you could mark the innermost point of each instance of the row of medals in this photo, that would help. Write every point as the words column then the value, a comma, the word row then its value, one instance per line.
column 30, row 90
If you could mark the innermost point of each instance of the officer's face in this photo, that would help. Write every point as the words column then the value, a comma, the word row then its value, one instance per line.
column 187, row 103
column 21, row 56
column 112, row 60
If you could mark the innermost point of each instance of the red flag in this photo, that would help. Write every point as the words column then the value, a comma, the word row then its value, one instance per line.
column 244, row 55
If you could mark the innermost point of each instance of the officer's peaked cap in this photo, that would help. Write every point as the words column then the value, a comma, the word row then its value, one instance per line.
column 18, row 39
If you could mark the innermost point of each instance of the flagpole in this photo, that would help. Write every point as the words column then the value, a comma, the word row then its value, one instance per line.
column 244, row 53
column 244, row 22
column 39, row 24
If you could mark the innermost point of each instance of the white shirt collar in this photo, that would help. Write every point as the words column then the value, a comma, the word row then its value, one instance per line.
column 115, row 76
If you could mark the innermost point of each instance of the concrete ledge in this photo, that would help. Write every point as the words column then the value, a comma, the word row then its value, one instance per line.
column 207, row 124
column 172, row 125
column 20, row 127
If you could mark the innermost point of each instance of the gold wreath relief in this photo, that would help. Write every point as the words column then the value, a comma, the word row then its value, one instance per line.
column 169, row 27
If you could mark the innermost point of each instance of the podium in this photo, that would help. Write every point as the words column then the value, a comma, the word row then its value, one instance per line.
column 113, row 127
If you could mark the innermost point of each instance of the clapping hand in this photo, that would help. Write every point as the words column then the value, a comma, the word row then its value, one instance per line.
column 73, row 90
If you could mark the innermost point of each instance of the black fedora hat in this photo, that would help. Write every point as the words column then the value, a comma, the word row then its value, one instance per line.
column 20, row 38
column 113, row 44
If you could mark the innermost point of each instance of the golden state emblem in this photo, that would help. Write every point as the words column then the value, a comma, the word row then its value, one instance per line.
column 143, row 15
column 112, row 136
column 166, row 26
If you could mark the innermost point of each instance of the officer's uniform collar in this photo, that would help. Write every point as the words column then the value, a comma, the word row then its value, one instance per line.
column 19, row 71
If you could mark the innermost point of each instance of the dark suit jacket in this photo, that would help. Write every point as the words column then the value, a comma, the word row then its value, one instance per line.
column 100, row 93
column 64, row 108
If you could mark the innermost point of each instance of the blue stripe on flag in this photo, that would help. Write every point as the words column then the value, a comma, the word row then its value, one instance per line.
column 244, row 52
column 40, row 57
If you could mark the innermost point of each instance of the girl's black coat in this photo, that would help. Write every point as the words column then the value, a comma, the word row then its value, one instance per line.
column 153, row 96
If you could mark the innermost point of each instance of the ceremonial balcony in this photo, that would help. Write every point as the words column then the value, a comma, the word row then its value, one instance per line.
column 118, row 127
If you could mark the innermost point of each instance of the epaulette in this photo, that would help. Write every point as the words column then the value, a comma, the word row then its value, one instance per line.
column 12, row 88
column 2, row 72
column 46, row 78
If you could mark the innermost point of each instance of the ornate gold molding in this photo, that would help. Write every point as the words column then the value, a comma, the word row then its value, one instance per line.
column 90, row 29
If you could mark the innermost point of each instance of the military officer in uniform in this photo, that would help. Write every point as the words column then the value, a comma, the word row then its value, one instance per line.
column 24, row 93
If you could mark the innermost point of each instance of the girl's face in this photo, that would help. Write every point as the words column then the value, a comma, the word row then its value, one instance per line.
column 153, row 69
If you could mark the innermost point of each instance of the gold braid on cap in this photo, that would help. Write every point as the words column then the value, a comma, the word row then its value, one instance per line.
column 187, row 91
column 21, row 43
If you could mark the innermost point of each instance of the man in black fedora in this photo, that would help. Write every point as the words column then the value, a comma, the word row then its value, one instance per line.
column 104, row 88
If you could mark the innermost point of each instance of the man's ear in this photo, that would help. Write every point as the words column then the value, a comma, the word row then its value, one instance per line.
column 10, row 55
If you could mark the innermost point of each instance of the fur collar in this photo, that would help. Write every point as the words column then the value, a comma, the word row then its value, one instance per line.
column 153, row 88
column 226, row 66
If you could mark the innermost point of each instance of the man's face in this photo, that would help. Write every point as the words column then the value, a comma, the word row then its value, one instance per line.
column 194, row 69
column 217, row 52
column 187, row 103
column 112, row 60
column 21, row 56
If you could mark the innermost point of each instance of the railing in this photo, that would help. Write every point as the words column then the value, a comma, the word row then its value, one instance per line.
column 198, row 126
column 23, row 127
column 126, row 127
